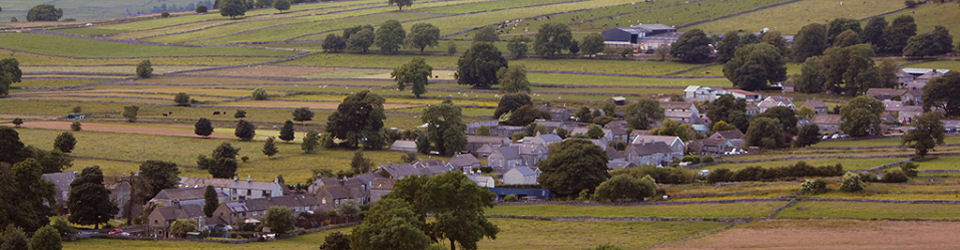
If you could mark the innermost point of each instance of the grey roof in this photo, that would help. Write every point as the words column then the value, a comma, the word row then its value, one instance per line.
column 528, row 149
column 649, row 148
column 180, row 212
column 826, row 119
column 398, row 171
column 463, row 160
column 731, row 134
column 381, row 183
column 550, row 138
column 403, row 144
column 182, row 193
column 226, row 183
column 485, row 139
column 613, row 153
column 510, row 152
column 676, row 105
column 525, row 171
column 61, row 180
column 263, row 204
column 814, row 104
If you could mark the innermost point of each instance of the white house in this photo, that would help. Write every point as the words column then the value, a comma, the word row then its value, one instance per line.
column 520, row 176
column 482, row 180
column 236, row 189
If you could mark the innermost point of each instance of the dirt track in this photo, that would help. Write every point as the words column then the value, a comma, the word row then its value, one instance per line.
column 159, row 129
column 831, row 234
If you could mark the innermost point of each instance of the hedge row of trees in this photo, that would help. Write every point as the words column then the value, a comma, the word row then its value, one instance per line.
column 800, row 169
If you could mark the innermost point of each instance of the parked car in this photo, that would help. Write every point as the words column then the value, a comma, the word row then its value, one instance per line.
column 115, row 231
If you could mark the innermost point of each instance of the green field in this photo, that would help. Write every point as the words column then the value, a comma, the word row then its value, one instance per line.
column 888, row 141
column 848, row 164
column 865, row 210
column 530, row 234
column 750, row 209
column 69, row 46
column 929, row 15
column 790, row 17
column 940, row 163
column 951, row 65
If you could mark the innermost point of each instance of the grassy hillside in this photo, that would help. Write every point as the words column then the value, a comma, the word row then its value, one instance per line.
column 789, row 18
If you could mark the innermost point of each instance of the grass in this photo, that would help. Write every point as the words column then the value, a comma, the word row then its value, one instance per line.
column 790, row 17
column 595, row 80
column 69, row 46
column 863, row 210
column 486, row 6
column 751, row 209
column 528, row 234
column 929, row 15
column 306, row 241
column 717, row 70
column 28, row 59
column 127, row 69
column 848, row 164
column 53, row 107
column 873, row 196
column 56, row 82
column 886, row 141
column 940, row 163
column 951, row 65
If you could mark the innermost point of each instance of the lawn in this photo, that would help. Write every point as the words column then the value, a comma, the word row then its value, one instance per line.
column 529, row 234
column 940, row 163
column 887, row 141
column 789, row 18
column 750, row 209
column 307, row 241
column 848, row 164
column 486, row 6
column 69, row 46
column 27, row 59
column 717, row 70
column 865, row 210
column 53, row 107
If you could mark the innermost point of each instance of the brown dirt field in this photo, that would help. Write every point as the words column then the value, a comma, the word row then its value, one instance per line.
column 269, row 70
column 312, row 105
column 160, row 129
column 830, row 234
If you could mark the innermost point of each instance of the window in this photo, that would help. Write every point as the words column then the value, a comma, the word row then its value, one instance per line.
column 266, row 193
column 249, row 192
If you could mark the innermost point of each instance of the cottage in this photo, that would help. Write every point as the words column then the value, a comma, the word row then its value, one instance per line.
column 400, row 171
column 234, row 211
column 675, row 143
column 475, row 142
column 482, row 180
column 746, row 95
column 828, row 123
column 464, row 162
column 655, row 153
column 532, row 154
column 775, row 101
column 817, row 105
column 379, row 188
column 917, row 78
column 543, row 140
column 159, row 220
column 184, row 196
column 732, row 138
column 236, row 189
column 560, row 114
column 404, row 146
column 505, row 157
column 61, row 184
column 521, row 176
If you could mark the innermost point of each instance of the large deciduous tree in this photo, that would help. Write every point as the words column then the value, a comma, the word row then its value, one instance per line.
column 573, row 166
column 896, row 35
column 415, row 74
column 765, row 132
column 525, row 115
column 692, row 46
column 728, row 45
column 928, row 133
column 203, row 127
column 270, row 147
column 286, row 132
column 809, row 134
column 44, row 12
column 334, row 43
column 552, row 39
column 423, row 35
column 65, row 142
column 445, row 127
column 359, row 121
column 361, row 40
column 810, row 41
column 25, row 196
column 245, row 130
column 222, row 163
column 155, row 176
column 724, row 106
column 514, row 79
column 942, row 93
column 861, row 116
column 9, row 73
column 642, row 114
column 754, row 66
column 592, row 44
column 232, row 8
column 400, row 3
column 518, row 46
column 510, row 102
column 390, row 224
column 785, row 115
column 280, row 219
column 674, row 128
column 302, row 114
column 89, row 201
column 839, row 25
column 486, row 34
column 873, row 33
column 479, row 65
column 390, row 36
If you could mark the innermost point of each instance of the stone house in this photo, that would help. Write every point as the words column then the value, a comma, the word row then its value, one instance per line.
column 464, row 162
column 234, row 211
column 61, row 184
column 505, row 157
column 817, row 105
column 236, row 189
column 656, row 154
column 520, row 176
column 828, row 123
column 184, row 196
column 675, row 143
column 160, row 219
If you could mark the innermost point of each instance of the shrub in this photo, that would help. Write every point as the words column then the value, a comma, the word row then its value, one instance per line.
column 201, row 9
column 909, row 169
column 510, row 198
column 800, row 169
column 145, row 69
column 623, row 188
column 181, row 227
column 259, row 94
column 816, row 186
column 692, row 158
column 165, row 14
column 607, row 247
column 719, row 175
column 75, row 126
column 666, row 175
column 182, row 99
column 910, row 4
column 17, row 122
column 851, row 183
column 706, row 159
column 336, row 241
column 245, row 158
column 894, row 176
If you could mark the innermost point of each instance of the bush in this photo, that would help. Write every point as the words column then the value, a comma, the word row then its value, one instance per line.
column 816, row 186
column 201, row 9
column 182, row 99
column 259, row 94
column 510, row 198
column 336, row 241
column 17, row 122
column 607, row 247
column 909, row 169
column 145, row 69
column 719, row 175
column 894, row 176
column 706, row 159
column 13, row 237
column 75, row 126
column 910, row 4
column 851, row 183
column 691, row 158
column 165, row 14
column 624, row 188
column 181, row 227
column 666, row 175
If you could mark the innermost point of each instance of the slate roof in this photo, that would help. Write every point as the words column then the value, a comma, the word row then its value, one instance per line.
column 510, row 152
column 525, row 171
column 180, row 212
column 61, row 180
column 463, row 160
column 382, row 184
column 484, row 139
column 181, row 194
column 676, row 105
column 613, row 153
column 649, row 148
column 826, row 119
column 263, row 204
column 814, row 104
column 226, row 183
column 398, row 171
column 731, row 134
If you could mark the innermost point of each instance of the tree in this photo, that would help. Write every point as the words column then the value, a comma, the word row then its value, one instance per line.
column 334, row 43
column 349, row 32
column 182, row 99
column 279, row 219
column 942, row 40
column 360, row 164
column 13, row 238
column 846, row 38
column 809, row 134
column 594, row 132
column 584, row 114
column 359, row 119
column 240, row 114
column 674, row 128
column 851, row 182
column 692, row 46
column 896, row 35
column 270, row 147
column 942, row 92
column 390, row 36
column 514, row 79
column 282, row 5
column 17, row 122
column 286, row 132
column 839, row 25
column 259, row 94
column 302, row 114
column 861, row 116
column 27, row 195
column 130, row 112
column 478, row 66
column 728, row 45
column 65, row 142
column 201, row 9
column 775, row 39
column 486, row 34
column 44, row 13
column 245, row 130
column 765, row 132
column 310, row 142
column 849, row 70
column 887, row 74
column 574, row 47
column 46, row 238
column 786, row 116
column 754, row 66
column 445, row 127
column 232, row 8
column 361, row 40
column 180, row 227
column 456, row 204
column 9, row 73
column 510, row 102
column 625, row 188
column 525, row 115
column 518, row 46
column 203, row 127
column 155, row 176
column 552, row 39
column 873, row 33
column 222, row 163
column 724, row 106
column 336, row 241
column 259, row 4
column 451, row 48
column 63, row 227
column 810, row 41
column 400, row 3
column 145, row 69
column 920, row 46
column 928, row 133
column 210, row 201
column 390, row 224
column 423, row 35
column 572, row 166
column 415, row 73
column 644, row 113
column 89, row 201
column 592, row 44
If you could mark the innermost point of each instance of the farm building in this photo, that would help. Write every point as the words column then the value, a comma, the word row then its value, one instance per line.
column 645, row 37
